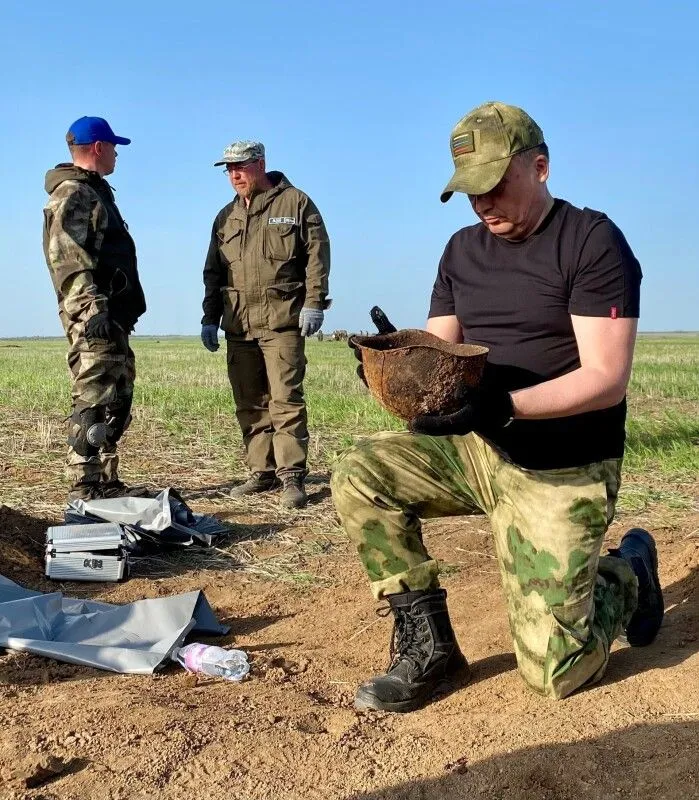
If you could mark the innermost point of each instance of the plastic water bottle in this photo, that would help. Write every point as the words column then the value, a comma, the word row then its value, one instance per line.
column 229, row 664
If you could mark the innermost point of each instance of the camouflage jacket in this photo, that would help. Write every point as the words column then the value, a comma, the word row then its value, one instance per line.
column 266, row 261
column 89, row 251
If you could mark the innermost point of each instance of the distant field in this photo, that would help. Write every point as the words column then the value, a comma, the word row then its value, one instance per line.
column 183, row 407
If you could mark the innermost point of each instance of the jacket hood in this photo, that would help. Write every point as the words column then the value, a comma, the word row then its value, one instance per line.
column 67, row 172
column 278, row 180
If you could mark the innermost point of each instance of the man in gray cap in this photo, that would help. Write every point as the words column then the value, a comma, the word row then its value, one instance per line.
column 266, row 285
column 92, row 261
column 553, row 291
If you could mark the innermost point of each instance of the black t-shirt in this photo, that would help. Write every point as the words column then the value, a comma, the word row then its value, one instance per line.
column 517, row 299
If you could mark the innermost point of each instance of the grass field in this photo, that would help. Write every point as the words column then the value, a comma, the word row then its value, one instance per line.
column 183, row 410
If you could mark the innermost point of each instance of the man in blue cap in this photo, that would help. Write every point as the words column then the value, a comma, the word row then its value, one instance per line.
column 92, row 261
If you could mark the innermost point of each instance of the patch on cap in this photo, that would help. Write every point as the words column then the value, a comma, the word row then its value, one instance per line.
column 501, row 131
column 463, row 143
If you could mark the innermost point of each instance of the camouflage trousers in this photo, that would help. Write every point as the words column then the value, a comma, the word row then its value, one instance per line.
column 266, row 377
column 566, row 603
column 103, row 375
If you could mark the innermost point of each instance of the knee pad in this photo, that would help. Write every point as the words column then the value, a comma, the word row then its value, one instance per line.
column 119, row 419
column 87, row 430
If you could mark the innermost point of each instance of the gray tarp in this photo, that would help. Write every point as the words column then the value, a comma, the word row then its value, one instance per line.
column 151, row 514
column 135, row 638
column 163, row 520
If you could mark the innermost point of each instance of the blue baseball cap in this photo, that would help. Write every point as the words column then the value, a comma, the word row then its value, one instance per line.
column 87, row 130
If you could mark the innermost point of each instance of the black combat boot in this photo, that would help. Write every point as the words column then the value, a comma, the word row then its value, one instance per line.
column 637, row 547
column 85, row 490
column 424, row 654
column 293, row 492
column 257, row 483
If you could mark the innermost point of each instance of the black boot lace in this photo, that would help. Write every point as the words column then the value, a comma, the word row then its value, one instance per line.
column 292, row 481
column 410, row 634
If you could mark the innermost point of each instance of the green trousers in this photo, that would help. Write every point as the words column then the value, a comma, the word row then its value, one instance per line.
column 102, row 374
column 566, row 603
column 266, row 377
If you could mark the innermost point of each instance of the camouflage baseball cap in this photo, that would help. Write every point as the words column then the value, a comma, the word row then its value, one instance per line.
column 483, row 143
column 244, row 150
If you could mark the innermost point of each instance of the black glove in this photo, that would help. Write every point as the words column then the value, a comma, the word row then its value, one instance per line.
column 209, row 337
column 482, row 410
column 382, row 322
column 99, row 327
column 383, row 325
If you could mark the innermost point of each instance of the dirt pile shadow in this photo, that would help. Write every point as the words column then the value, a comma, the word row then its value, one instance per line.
column 22, row 540
column 644, row 761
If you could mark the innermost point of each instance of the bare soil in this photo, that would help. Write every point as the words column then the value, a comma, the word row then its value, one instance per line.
column 312, row 633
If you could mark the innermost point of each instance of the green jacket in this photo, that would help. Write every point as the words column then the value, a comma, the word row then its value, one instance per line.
column 266, row 262
column 89, row 251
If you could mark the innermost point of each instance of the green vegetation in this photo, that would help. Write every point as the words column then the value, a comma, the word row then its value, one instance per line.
column 663, row 422
column 184, row 408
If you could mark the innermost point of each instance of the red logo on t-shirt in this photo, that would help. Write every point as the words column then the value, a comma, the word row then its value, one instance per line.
column 613, row 312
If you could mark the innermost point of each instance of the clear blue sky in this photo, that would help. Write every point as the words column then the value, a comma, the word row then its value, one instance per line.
column 355, row 102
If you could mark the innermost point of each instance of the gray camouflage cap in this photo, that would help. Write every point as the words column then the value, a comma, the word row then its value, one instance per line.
column 244, row 150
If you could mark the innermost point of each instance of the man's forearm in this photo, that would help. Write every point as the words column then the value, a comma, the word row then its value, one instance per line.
column 81, row 297
column 317, row 272
column 213, row 302
column 584, row 389
column 317, row 246
column 213, row 310
column 214, row 279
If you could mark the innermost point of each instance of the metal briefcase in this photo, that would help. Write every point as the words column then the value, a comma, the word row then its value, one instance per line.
column 87, row 552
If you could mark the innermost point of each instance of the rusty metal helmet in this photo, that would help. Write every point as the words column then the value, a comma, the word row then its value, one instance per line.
column 413, row 372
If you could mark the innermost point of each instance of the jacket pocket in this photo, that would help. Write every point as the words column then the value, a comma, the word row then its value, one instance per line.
column 109, row 349
column 279, row 242
column 232, row 320
column 230, row 240
column 285, row 301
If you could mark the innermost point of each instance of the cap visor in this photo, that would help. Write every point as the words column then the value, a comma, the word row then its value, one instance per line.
column 121, row 140
column 478, row 179
column 230, row 161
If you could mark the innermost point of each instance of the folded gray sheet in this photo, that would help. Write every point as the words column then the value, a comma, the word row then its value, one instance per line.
column 133, row 638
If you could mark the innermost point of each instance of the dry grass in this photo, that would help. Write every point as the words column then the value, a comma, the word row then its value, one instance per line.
column 185, row 435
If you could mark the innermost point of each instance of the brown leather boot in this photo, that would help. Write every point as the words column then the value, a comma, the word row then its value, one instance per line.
column 257, row 483
column 293, row 493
